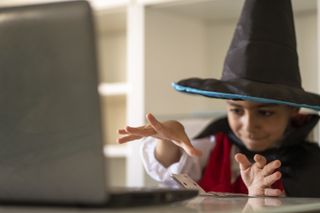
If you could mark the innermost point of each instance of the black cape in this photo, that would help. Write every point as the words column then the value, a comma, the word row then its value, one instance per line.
column 300, row 158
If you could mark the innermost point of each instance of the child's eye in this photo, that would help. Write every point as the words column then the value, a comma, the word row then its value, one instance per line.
column 266, row 113
column 236, row 111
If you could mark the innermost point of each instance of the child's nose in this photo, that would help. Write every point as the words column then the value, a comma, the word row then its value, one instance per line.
column 249, row 122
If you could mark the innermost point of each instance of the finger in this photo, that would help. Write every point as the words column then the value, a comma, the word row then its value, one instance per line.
column 272, row 192
column 260, row 161
column 122, row 131
column 271, row 167
column 271, row 179
column 142, row 131
column 190, row 150
column 243, row 161
column 184, row 143
column 128, row 138
column 154, row 122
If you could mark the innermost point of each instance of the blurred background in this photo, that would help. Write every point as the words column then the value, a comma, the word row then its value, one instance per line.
column 145, row 45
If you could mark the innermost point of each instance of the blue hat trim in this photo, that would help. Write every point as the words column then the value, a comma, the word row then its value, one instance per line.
column 236, row 96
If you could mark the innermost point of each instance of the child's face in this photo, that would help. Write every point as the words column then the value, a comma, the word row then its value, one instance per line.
column 258, row 126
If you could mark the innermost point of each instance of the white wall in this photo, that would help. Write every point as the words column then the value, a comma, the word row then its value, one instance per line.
column 306, row 30
column 307, row 41
column 176, row 48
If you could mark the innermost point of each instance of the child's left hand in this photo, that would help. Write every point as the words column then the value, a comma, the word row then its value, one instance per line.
column 259, row 176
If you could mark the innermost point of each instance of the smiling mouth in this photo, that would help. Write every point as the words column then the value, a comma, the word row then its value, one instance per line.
column 254, row 138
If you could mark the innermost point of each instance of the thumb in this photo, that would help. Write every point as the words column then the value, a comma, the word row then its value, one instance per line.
column 191, row 151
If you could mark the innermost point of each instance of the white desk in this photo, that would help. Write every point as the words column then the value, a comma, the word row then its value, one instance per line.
column 198, row 204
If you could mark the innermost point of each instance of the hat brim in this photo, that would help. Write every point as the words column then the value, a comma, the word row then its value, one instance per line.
column 250, row 91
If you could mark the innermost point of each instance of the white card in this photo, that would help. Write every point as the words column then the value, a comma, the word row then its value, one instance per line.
column 187, row 182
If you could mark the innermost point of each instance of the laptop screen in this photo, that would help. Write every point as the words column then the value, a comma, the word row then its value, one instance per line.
column 50, row 128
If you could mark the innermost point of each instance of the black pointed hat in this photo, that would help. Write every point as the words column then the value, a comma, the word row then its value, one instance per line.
column 262, row 62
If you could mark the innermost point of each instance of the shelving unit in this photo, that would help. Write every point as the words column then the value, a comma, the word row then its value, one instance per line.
column 111, row 27
column 120, row 65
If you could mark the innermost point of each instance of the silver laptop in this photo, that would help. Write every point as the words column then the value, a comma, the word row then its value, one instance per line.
column 50, row 128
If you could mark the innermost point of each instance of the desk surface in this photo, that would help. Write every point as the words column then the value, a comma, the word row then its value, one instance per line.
column 199, row 204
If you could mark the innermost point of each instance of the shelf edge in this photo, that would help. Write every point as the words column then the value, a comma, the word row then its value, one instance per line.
column 115, row 151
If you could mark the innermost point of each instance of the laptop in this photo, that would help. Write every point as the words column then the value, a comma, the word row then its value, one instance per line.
column 51, row 146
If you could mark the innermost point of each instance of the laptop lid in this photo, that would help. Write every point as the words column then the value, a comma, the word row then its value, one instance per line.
column 50, row 128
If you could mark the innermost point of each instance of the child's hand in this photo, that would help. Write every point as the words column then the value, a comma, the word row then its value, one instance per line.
column 259, row 176
column 172, row 131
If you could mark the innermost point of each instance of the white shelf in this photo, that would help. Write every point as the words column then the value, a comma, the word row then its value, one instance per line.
column 113, row 89
column 108, row 4
column 115, row 150
column 155, row 2
column 97, row 4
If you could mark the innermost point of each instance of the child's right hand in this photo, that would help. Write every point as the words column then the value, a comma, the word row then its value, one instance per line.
column 260, row 175
column 172, row 131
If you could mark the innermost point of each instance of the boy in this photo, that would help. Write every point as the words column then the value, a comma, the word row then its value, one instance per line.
column 263, row 136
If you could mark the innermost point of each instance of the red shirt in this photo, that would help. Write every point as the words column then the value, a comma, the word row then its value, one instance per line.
column 217, row 173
